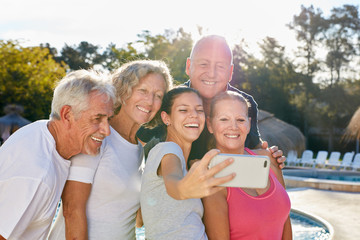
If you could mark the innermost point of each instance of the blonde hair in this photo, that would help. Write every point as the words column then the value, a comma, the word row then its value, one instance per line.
column 228, row 95
column 125, row 78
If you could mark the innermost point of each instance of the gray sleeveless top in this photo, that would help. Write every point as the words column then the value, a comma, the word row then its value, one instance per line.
column 164, row 217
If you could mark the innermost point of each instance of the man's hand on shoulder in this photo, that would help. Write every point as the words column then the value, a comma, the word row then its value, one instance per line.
column 276, row 153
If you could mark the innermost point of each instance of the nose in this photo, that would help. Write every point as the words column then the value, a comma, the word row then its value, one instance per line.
column 234, row 124
column 211, row 71
column 105, row 127
column 150, row 98
column 194, row 113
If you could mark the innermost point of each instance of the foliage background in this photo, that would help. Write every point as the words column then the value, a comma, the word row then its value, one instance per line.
column 318, row 90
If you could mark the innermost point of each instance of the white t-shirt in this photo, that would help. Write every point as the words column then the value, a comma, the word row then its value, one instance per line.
column 165, row 217
column 115, row 194
column 32, row 177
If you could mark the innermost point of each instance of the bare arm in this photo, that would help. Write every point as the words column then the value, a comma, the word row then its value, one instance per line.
column 216, row 216
column 287, row 232
column 198, row 182
column 74, row 198
column 139, row 221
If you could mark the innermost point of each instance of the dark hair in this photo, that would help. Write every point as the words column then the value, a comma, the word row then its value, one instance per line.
column 170, row 97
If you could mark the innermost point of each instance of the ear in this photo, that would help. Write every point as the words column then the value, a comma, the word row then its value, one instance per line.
column 231, row 71
column 208, row 124
column 188, row 63
column 249, row 125
column 165, row 117
column 66, row 115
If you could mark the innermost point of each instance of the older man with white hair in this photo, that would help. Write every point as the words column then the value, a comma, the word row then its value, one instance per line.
column 34, row 161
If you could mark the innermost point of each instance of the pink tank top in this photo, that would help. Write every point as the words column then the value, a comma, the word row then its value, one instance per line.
column 260, row 217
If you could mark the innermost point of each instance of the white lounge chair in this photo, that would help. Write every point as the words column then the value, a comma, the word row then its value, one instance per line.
column 333, row 160
column 321, row 158
column 307, row 158
column 347, row 160
column 356, row 163
column 292, row 159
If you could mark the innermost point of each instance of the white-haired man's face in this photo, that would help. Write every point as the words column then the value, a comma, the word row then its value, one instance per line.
column 92, row 126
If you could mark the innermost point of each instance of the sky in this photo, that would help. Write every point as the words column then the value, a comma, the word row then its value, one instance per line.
column 117, row 21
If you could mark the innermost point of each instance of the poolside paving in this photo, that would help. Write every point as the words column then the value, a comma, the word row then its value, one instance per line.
column 340, row 209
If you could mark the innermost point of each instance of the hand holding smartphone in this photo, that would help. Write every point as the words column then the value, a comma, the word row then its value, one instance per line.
column 252, row 171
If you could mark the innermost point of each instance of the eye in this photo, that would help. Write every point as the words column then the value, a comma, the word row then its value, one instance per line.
column 142, row 90
column 200, row 110
column 97, row 119
column 159, row 96
column 182, row 110
column 223, row 119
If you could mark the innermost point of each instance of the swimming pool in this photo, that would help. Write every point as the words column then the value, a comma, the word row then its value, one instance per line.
column 304, row 227
column 326, row 179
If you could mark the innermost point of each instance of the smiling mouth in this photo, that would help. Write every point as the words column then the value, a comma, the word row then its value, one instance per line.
column 96, row 139
column 209, row 82
column 143, row 109
column 232, row 135
column 192, row 125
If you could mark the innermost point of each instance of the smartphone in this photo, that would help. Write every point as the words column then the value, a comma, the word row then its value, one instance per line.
column 252, row 171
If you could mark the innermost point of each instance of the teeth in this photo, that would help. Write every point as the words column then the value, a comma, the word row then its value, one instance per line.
column 192, row 125
column 143, row 109
column 96, row 139
column 231, row 136
column 209, row 83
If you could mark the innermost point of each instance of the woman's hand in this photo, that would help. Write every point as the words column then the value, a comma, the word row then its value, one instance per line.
column 198, row 182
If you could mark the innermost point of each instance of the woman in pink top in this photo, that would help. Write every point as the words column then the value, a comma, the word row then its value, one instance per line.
column 243, row 213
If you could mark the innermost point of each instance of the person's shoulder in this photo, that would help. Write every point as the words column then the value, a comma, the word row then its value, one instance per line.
column 187, row 83
column 244, row 94
column 234, row 89
column 166, row 146
column 163, row 148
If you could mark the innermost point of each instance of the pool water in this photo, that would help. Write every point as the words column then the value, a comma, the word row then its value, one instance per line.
column 342, row 178
column 140, row 233
column 303, row 229
column 325, row 174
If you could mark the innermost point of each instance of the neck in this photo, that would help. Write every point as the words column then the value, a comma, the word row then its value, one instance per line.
column 241, row 150
column 127, row 128
column 184, row 145
column 62, row 141
column 206, row 105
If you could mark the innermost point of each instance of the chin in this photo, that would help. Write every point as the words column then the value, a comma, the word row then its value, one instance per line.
column 92, row 152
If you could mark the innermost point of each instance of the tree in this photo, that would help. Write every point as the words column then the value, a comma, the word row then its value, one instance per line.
column 341, row 37
column 27, row 78
column 242, row 61
column 308, row 26
column 115, row 57
column 83, row 56
column 272, row 81
column 172, row 47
